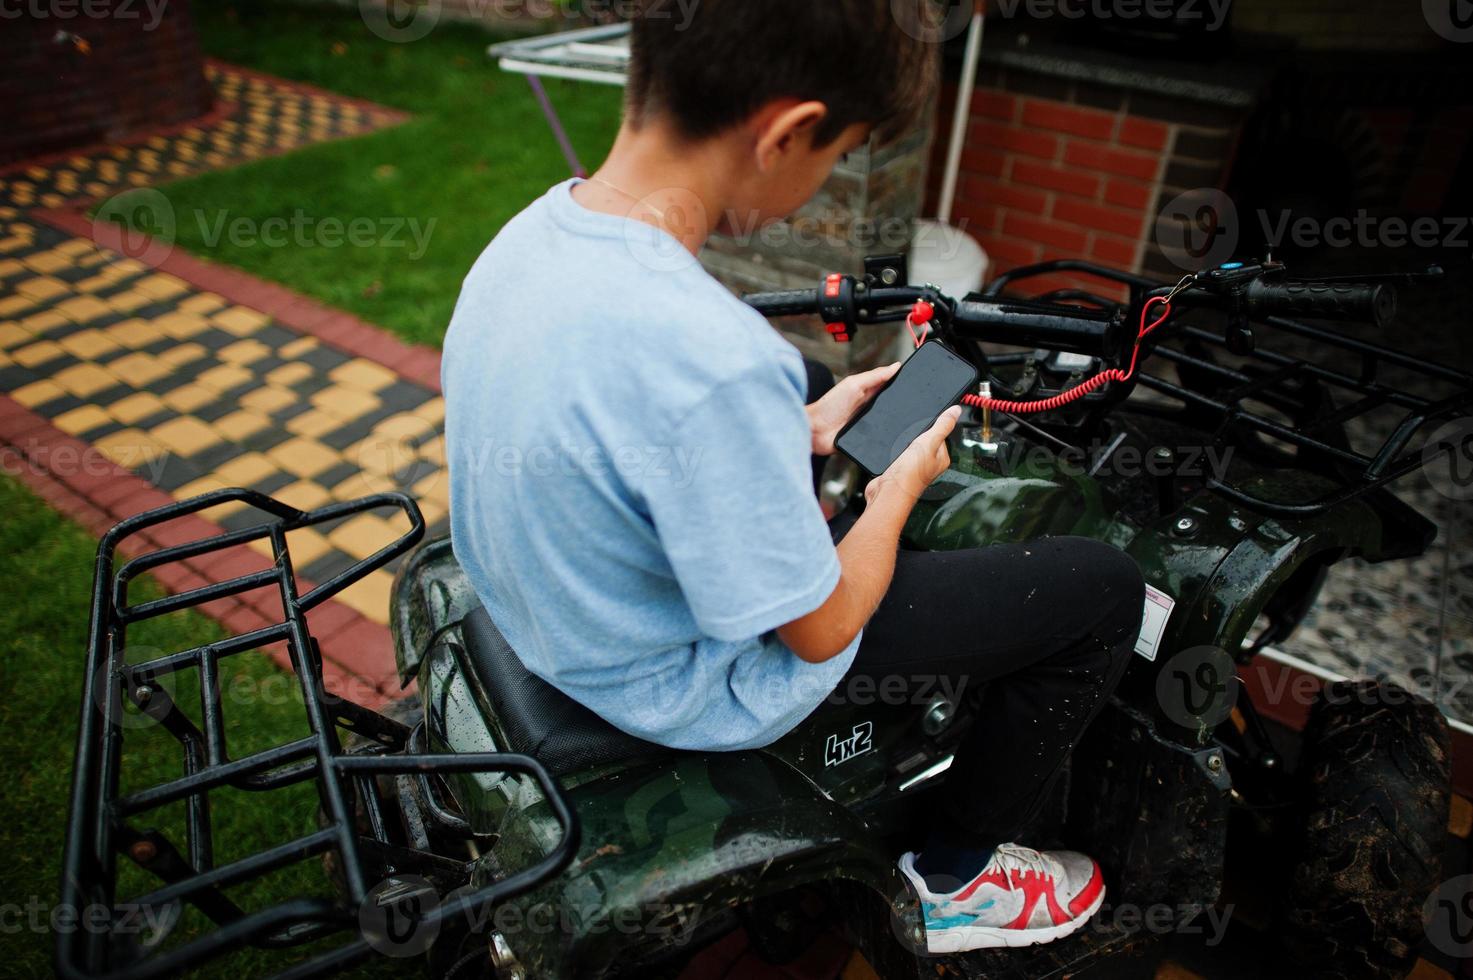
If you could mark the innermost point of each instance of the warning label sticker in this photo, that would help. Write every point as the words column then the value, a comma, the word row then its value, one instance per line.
column 1153, row 623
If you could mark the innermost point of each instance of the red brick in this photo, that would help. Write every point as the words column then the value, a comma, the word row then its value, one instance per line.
column 1044, row 232
column 330, row 618
column 1100, row 217
column 147, row 498
column 244, row 619
column 983, row 162
column 981, row 190
column 976, row 219
column 1012, row 139
column 1127, row 194
column 994, row 104
column 1123, row 163
column 1117, row 252
column 1076, row 182
column 1009, row 253
column 363, row 648
column 1142, row 133
column 1073, row 120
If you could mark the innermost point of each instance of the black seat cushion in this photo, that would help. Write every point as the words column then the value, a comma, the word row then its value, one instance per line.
column 539, row 720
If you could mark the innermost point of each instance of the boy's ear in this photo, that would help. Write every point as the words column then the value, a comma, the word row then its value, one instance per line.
column 786, row 126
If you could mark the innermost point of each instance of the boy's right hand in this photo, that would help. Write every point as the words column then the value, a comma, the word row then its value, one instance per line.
column 922, row 462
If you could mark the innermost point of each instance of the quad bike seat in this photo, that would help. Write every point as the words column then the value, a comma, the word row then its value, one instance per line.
column 538, row 719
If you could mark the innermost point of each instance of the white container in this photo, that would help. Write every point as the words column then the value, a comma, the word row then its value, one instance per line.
column 947, row 258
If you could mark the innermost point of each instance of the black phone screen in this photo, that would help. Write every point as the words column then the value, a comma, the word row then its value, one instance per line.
column 927, row 384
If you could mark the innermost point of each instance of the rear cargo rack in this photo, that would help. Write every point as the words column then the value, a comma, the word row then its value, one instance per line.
column 356, row 832
column 1314, row 401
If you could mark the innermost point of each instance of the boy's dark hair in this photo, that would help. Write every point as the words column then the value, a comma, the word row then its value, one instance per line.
column 709, row 64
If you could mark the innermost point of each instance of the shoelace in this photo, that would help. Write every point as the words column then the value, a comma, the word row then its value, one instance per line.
column 1008, row 858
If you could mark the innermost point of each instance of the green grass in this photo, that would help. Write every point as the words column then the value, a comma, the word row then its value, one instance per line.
column 46, row 564
column 476, row 152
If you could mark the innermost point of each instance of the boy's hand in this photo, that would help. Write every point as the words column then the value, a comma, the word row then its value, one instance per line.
column 922, row 462
column 834, row 410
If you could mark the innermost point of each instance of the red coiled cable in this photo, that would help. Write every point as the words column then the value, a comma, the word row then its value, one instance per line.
column 921, row 316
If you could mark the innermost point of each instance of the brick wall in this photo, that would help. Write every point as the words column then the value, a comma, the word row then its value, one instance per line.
column 105, row 71
column 1056, row 169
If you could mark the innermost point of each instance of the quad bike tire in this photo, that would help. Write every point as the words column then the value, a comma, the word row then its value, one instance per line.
column 1374, row 785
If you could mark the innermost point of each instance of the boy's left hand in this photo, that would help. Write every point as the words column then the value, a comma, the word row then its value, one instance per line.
column 831, row 412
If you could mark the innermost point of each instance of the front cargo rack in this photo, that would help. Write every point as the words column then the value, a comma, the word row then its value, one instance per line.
column 357, row 836
column 1280, row 398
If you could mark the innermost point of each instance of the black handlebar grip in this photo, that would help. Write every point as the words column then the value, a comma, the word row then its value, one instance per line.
column 787, row 302
column 1327, row 300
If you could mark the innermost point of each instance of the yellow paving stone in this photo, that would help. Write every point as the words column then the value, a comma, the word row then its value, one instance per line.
column 241, row 425
column 431, row 411
column 267, row 399
column 240, row 320
column 37, row 353
column 37, row 393
column 303, row 457
column 13, row 243
column 201, row 303
column 370, row 595
column 139, row 405
column 289, row 374
column 363, row 375
column 75, row 246
column 182, row 354
column 139, row 369
column 134, row 333
column 346, row 403
column 298, row 347
column 39, row 323
column 303, row 495
column 225, row 377
column 434, row 450
column 13, row 335
column 244, row 352
column 161, row 285
column 313, row 423
column 129, row 267
column 362, row 535
column 83, row 419
column 246, row 470
column 362, row 484
column 186, row 435
column 130, row 448
column 434, row 486
column 42, row 288
column 10, row 267
column 82, row 309
column 88, row 344
column 84, row 380
column 129, row 300
column 432, row 510
column 92, row 285
column 46, row 262
column 181, row 326
column 188, row 397
column 306, row 546
column 11, row 305
column 205, row 485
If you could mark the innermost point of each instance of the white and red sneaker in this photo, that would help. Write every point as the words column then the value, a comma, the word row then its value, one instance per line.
column 1021, row 898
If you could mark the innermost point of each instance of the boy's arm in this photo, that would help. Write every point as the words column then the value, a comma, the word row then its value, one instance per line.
column 867, row 553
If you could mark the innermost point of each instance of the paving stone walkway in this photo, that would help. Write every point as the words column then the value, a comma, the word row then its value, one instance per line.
column 191, row 377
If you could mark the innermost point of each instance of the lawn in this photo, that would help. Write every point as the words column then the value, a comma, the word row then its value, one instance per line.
column 46, row 564
column 476, row 152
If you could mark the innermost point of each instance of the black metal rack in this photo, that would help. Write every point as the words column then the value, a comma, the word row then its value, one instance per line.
column 1320, row 399
column 355, row 822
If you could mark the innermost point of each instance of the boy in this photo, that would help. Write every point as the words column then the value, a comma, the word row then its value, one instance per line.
column 631, row 480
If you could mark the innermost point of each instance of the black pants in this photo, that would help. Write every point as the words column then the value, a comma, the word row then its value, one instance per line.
column 1045, row 629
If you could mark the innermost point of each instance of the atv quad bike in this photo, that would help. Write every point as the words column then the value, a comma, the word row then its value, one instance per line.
column 501, row 829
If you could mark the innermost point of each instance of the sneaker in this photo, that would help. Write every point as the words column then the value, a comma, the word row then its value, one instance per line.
column 1021, row 898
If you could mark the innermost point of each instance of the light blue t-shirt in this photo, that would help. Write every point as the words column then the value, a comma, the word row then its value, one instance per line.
column 630, row 487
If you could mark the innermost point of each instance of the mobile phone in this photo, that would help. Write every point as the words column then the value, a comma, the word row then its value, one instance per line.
column 927, row 384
